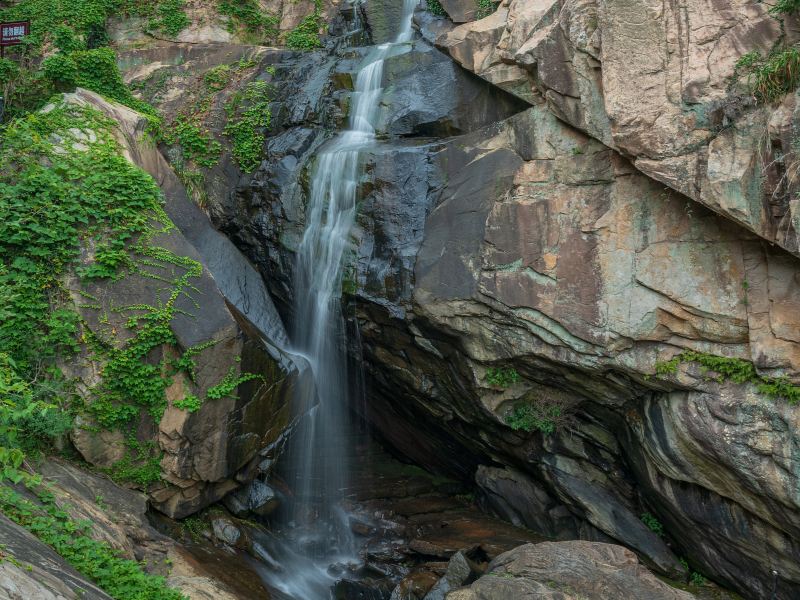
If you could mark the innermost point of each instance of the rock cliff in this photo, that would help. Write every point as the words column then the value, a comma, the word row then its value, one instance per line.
column 575, row 281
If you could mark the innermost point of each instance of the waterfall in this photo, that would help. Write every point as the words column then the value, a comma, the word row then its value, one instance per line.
column 318, row 453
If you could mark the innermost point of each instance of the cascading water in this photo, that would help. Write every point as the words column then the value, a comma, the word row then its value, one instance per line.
column 318, row 453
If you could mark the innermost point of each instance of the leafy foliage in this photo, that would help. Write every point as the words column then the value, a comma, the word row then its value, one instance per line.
column 502, row 376
column 171, row 18
column 435, row 8
column 76, row 30
column 196, row 144
column 736, row 370
column 246, row 130
column 63, row 186
column 248, row 14
column 785, row 7
column 306, row 35
column 121, row 578
column 695, row 578
column 771, row 77
column 485, row 8
column 653, row 524
column 535, row 417
column 218, row 77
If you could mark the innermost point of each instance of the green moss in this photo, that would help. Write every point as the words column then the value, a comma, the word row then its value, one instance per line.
column 736, row 370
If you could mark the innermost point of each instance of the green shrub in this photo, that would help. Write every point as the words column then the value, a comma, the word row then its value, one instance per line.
column 171, row 17
column 653, row 524
column 247, row 14
column 502, row 376
column 535, row 417
column 736, row 370
column 485, row 8
column 196, row 144
column 246, row 130
column 63, row 184
column 435, row 8
column 218, row 77
column 306, row 35
column 121, row 578
column 784, row 7
column 771, row 77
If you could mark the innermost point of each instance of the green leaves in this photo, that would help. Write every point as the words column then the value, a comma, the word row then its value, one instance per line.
column 121, row 578
column 196, row 144
column 733, row 369
column 246, row 130
column 306, row 35
column 534, row 417
column 502, row 376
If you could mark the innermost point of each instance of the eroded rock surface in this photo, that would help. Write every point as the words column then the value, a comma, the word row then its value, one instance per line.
column 658, row 84
column 568, row 571
column 609, row 216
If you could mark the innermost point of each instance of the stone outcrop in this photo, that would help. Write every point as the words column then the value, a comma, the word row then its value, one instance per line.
column 591, row 209
column 208, row 24
column 568, row 571
column 210, row 452
column 530, row 244
column 658, row 84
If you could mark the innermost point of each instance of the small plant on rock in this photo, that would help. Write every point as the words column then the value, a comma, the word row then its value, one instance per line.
column 502, row 377
column 653, row 524
column 535, row 417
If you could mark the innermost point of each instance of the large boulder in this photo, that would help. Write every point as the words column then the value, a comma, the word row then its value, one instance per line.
column 568, row 571
column 226, row 316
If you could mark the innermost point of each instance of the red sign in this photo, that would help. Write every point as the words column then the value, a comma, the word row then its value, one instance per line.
column 11, row 34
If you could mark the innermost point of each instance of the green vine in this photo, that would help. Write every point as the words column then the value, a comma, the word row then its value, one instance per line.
column 306, row 35
column 248, row 14
column 64, row 186
column 246, row 131
column 77, row 31
column 121, row 578
column 197, row 144
column 736, row 370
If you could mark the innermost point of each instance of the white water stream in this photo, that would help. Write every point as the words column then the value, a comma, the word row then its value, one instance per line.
column 319, row 450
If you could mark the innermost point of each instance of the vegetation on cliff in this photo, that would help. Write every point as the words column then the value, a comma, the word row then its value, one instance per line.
column 65, row 188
